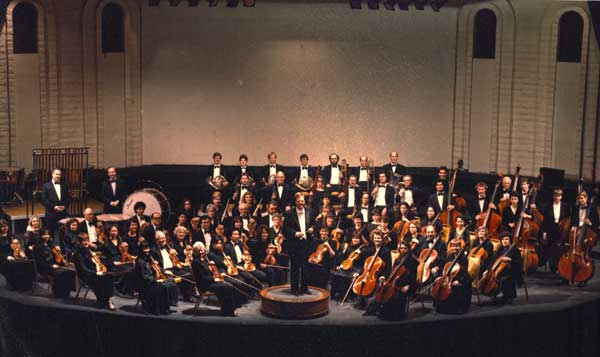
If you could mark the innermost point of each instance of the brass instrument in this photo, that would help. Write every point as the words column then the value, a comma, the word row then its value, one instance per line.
column 217, row 182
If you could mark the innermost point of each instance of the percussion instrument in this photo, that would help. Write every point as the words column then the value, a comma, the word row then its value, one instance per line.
column 154, row 200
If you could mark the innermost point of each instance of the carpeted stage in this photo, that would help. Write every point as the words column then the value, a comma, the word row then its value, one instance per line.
column 557, row 320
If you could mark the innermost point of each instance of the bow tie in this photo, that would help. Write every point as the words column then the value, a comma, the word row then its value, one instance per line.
column 481, row 198
column 380, row 185
column 56, row 183
column 334, row 166
column 583, row 207
column 244, row 187
column 90, row 224
column 304, row 168
column 217, row 166
column 111, row 181
column 364, row 207
column 272, row 165
column 363, row 169
column 440, row 194
column 279, row 185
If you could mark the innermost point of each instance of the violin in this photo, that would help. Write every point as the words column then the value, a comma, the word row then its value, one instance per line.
column 100, row 267
column 348, row 263
column 232, row 270
column 442, row 286
column 426, row 259
column 174, row 258
column 217, row 276
column 58, row 257
column 158, row 273
column 365, row 284
column 248, row 265
column 317, row 256
column 270, row 257
column 389, row 289
column 125, row 256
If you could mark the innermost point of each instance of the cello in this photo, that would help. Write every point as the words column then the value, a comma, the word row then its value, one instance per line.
column 389, row 289
column 476, row 256
column 442, row 286
column 427, row 257
column 576, row 264
column 365, row 284
column 492, row 220
column 489, row 284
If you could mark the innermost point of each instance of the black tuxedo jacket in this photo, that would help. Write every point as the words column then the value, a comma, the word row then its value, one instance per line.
column 83, row 226
column 50, row 198
column 236, row 173
column 433, row 202
column 356, row 171
column 265, row 172
column 295, row 172
column 387, row 168
column 593, row 216
column 286, row 198
column 293, row 245
column 549, row 224
column 107, row 195
column 473, row 206
column 149, row 235
column 357, row 195
column 224, row 171
column 327, row 174
column 389, row 196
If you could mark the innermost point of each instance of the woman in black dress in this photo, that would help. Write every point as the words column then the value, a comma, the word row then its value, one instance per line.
column 48, row 262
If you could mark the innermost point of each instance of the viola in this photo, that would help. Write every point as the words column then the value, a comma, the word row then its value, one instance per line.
column 270, row 257
column 58, row 257
column 158, row 273
column 17, row 250
column 365, row 284
column 217, row 276
column 317, row 256
column 248, row 265
column 125, row 256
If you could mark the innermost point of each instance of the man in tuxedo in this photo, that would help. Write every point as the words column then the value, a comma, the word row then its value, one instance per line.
column 504, row 191
column 393, row 167
column 362, row 173
column 205, row 235
column 243, row 168
column 139, row 207
column 351, row 196
column 383, row 195
column 241, row 188
column 113, row 192
column 409, row 193
column 282, row 192
column 584, row 214
column 271, row 169
column 149, row 232
column 56, row 199
column 214, row 171
column 297, row 244
column 88, row 226
column 439, row 199
column 304, row 170
column 553, row 215
column 481, row 202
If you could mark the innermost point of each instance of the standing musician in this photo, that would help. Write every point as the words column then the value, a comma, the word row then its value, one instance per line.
column 56, row 198
column 166, row 258
column 365, row 209
column 14, row 265
column 383, row 195
column 243, row 168
column 297, row 244
column 480, row 204
column 235, row 249
column 439, row 199
column 157, row 293
column 584, row 215
column 218, row 176
column 512, row 213
column 113, row 192
column 405, row 286
column 139, row 207
column 409, row 193
column 271, row 169
column 362, row 173
column 321, row 259
column 393, row 168
column 512, row 275
column 442, row 175
column 333, row 175
column 304, row 170
column 267, row 217
column 282, row 192
column 505, row 190
column 90, row 269
column 435, row 242
column 351, row 196
column 228, row 296
column 340, row 278
column 63, row 277
column 554, row 214
column 459, row 300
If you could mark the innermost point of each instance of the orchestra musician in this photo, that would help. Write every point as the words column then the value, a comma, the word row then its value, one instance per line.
column 63, row 276
column 382, row 252
column 68, row 240
column 112, row 257
column 480, row 204
column 409, row 193
column 113, row 192
column 333, row 174
column 235, row 249
column 357, row 229
column 383, row 195
column 56, row 198
column 149, row 232
column 393, row 168
column 482, row 241
column 505, row 190
column 88, row 226
column 139, row 207
column 229, row 298
column 304, row 170
column 33, row 234
column 459, row 300
column 218, row 256
column 362, row 173
column 414, row 238
column 554, row 213
column 461, row 232
column 132, row 237
column 165, row 256
column 318, row 271
column 158, row 294
column 243, row 168
column 340, row 279
column 439, row 199
column 512, row 275
column 282, row 192
column 270, row 170
column 90, row 271
column 14, row 265
column 351, row 196
column 365, row 209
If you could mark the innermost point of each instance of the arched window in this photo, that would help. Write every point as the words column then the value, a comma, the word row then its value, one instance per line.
column 570, row 37
column 112, row 29
column 484, row 36
column 25, row 28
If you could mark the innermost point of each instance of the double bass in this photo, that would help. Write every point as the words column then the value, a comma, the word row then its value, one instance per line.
column 526, row 232
column 448, row 217
column 492, row 220
column 576, row 264
column 442, row 286
column 365, row 283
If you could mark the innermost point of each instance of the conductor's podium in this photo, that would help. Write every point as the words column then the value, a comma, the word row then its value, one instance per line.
column 279, row 302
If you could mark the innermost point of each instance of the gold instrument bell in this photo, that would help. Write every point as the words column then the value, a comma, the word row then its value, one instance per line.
column 217, row 182
column 305, row 183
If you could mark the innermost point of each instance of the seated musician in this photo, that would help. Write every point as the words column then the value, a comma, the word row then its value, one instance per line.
column 405, row 286
column 63, row 276
column 68, row 241
column 234, row 249
column 222, row 261
column 461, row 232
column 114, row 260
column 382, row 252
column 340, row 278
column 182, row 240
column 88, row 226
column 414, row 238
column 32, row 234
column 431, row 218
column 459, row 300
column 357, row 229
column 404, row 213
column 14, row 265
column 90, row 271
column 328, row 223
column 318, row 271
column 139, row 208
column 132, row 237
column 265, row 256
column 482, row 241
column 157, row 293
column 511, row 276
column 228, row 296
column 434, row 241
column 165, row 256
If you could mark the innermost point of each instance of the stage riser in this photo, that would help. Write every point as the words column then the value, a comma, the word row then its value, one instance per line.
column 57, row 332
